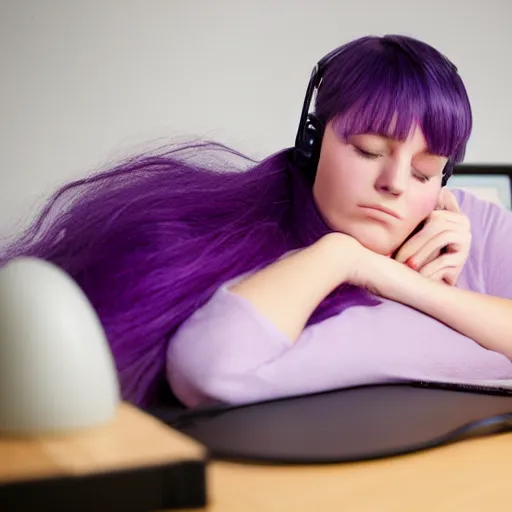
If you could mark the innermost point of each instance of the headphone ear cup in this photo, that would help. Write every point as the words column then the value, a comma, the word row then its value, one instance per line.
column 307, row 150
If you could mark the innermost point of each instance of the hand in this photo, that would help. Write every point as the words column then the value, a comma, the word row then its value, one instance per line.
column 440, row 250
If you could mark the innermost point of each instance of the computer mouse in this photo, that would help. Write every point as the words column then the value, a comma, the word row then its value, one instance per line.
column 56, row 369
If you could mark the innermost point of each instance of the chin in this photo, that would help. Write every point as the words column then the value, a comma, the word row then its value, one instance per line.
column 376, row 241
column 384, row 249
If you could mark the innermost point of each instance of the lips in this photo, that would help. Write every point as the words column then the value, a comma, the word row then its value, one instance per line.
column 382, row 209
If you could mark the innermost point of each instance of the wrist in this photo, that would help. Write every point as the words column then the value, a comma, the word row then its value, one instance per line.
column 342, row 251
column 396, row 281
column 370, row 271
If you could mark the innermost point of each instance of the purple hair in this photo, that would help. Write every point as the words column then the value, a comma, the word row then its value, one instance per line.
column 151, row 239
column 376, row 79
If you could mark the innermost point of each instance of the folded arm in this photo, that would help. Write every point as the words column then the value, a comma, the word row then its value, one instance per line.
column 484, row 314
column 484, row 318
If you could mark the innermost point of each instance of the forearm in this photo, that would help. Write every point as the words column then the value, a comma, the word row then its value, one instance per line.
column 483, row 318
column 288, row 291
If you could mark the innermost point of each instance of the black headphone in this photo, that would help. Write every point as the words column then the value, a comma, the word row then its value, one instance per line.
column 311, row 129
column 310, row 132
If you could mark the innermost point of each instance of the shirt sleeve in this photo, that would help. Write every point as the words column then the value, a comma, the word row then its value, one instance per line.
column 219, row 349
column 491, row 246
column 227, row 352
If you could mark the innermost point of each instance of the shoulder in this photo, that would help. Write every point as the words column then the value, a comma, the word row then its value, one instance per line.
column 486, row 217
column 489, row 265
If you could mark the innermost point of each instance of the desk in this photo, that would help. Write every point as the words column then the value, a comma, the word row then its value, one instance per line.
column 474, row 475
column 131, row 461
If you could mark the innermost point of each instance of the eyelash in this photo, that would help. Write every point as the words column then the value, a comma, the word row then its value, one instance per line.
column 422, row 178
column 373, row 156
column 366, row 154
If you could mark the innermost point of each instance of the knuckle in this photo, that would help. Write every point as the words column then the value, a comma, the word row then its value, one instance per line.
column 435, row 216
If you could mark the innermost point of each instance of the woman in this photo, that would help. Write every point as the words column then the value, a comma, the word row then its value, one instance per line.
column 341, row 261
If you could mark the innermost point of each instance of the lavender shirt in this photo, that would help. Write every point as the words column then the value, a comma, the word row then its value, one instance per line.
column 226, row 351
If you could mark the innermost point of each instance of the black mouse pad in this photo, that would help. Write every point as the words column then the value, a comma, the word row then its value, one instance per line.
column 348, row 425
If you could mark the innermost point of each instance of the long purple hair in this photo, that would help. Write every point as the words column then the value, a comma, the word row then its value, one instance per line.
column 151, row 239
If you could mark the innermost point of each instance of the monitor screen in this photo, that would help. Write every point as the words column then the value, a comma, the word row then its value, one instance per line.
column 490, row 187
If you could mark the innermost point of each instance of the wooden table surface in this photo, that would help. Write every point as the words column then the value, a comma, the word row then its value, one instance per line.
column 473, row 475
column 131, row 439
column 85, row 469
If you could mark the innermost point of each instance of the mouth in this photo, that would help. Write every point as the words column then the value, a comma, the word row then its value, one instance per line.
column 381, row 209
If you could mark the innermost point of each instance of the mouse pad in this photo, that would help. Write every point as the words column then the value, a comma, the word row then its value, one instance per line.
column 348, row 425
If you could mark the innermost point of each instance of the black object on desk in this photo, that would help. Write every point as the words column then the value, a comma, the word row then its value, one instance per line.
column 353, row 424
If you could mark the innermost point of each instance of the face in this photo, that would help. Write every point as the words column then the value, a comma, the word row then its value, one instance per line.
column 376, row 189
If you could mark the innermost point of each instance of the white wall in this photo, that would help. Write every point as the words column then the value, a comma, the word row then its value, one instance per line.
column 85, row 81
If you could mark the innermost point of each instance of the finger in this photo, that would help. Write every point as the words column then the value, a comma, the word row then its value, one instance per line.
column 445, row 275
column 440, row 200
column 433, row 248
column 417, row 264
column 448, row 261
column 447, row 216
column 451, row 277
column 414, row 245
column 448, row 201
column 437, row 222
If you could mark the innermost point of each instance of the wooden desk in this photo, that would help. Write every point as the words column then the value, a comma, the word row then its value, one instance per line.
column 467, row 476
column 473, row 475
column 133, row 460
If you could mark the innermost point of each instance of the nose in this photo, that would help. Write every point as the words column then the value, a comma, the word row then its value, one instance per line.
column 394, row 178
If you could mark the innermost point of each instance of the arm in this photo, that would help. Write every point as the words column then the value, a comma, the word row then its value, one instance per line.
column 482, row 310
column 228, row 352
column 288, row 291
column 483, row 318
column 231, row 348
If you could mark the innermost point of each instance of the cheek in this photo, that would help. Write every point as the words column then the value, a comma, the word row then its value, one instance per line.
column 334, row 194
column 335, row 184
column 422, row 206
column 334, row 189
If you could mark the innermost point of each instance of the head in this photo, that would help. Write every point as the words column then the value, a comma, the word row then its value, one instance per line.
column 394, row 115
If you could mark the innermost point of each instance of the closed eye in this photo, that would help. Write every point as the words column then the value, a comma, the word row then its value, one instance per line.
column 367, row 154
column 422, row 178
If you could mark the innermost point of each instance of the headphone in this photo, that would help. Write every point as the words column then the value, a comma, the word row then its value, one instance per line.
column 310, row 132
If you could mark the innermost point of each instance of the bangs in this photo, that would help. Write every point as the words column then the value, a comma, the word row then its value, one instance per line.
column 389, row 93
